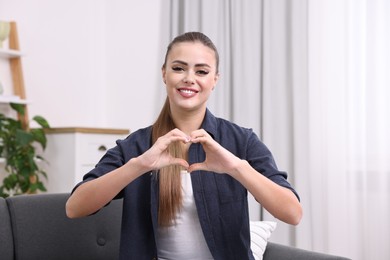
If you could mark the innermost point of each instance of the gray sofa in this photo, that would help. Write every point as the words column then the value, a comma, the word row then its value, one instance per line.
column 36, row 227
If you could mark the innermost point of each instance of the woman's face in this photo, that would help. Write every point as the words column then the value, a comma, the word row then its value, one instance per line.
column 190, row 75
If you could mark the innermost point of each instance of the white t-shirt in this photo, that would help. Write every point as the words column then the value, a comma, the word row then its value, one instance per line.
column 184, row 239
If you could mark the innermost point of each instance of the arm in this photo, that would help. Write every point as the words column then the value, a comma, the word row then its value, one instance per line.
column 95, row 194
column 279, row 201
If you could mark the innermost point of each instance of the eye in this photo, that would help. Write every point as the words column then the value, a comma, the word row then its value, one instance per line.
column 177, row 68
column 202, row 72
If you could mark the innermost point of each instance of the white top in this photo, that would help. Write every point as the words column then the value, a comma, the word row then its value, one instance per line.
column 184, row 239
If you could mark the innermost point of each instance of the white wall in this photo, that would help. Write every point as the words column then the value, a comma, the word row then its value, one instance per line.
column 92, row 63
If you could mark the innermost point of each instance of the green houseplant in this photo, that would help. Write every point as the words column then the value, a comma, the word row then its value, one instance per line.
column 19, row 148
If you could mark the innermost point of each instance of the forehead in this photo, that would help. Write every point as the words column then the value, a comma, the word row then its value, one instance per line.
column 192, row 52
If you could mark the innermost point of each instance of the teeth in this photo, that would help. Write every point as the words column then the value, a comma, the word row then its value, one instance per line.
column 187, row 91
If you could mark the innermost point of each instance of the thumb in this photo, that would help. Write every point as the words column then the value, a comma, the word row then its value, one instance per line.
column 197, row 167
column 179, row 161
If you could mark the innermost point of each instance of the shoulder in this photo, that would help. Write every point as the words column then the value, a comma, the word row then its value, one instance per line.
column 139, row 134
column 224, row 123
column 218, row 126
column 140, row 139
column 231, row 129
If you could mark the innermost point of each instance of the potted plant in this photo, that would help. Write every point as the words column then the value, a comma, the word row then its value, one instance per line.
column 19, row 148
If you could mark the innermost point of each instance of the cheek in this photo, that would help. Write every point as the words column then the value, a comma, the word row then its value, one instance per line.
column 173, row 79
column 208, row 84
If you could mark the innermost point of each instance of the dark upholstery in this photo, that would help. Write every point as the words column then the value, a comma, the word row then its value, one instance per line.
column 6, row 241
column 277, row 251
column 41, row 230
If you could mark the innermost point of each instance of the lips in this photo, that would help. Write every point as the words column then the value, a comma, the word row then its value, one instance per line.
column 187, row 92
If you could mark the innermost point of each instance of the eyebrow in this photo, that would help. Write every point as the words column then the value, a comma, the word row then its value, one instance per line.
column 196, row 65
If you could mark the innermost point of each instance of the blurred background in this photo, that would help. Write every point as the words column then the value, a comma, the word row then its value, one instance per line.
column 310, row 77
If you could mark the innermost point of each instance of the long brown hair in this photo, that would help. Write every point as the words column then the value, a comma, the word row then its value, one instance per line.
column 170, row 194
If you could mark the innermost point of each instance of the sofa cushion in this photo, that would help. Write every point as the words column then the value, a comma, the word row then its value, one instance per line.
column 6, row 239
column 42, row 230
column 260, row 233
column 278, row 251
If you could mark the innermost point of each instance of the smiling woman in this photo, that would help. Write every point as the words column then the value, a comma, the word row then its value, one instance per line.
column 189, row 169
column 190, row 73
column 191, row 70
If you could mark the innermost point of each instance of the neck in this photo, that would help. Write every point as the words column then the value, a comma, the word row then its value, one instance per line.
column 188, row 121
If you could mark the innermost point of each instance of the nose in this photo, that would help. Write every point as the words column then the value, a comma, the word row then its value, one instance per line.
column 189, row 79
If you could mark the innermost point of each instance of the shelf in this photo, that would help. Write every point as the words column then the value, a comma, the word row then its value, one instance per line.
column 12, row 99
column 87, row 130
column 9, row 54
column 3, row 161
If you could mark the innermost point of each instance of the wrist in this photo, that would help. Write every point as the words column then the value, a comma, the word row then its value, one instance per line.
column 137, row 166
column 239, row 168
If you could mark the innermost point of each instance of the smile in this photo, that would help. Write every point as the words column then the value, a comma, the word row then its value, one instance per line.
column 188, row 91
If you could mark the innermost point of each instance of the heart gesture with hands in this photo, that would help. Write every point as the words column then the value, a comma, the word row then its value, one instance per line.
column 218, row 159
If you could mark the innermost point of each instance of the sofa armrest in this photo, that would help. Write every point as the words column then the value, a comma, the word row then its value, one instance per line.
column 6, row 238
column 41, row 229
column 276, row 251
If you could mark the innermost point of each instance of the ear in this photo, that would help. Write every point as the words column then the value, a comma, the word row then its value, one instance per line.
column 216, row 78
column 163, row 73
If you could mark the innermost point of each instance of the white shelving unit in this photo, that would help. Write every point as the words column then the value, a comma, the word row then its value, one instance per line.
column 10, row 54
column 12, row 99
column 71, row 152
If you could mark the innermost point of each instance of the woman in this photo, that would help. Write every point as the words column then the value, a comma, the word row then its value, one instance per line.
column 185, row 179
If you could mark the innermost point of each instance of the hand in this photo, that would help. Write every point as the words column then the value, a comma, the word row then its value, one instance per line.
column 158, row 157
column 218, row 159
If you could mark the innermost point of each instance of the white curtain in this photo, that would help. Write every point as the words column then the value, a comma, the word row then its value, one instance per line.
column 313, row 79
column 284, row 88
column 347, row 183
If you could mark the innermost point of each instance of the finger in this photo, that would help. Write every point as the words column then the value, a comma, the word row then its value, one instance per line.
column 197, row 167
column 167, row 140
column 198, row 133
column 175, row 133
column 200, row 136
column 178, row 132
column 184, row 139
column 181, row 162
column 202, row 140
